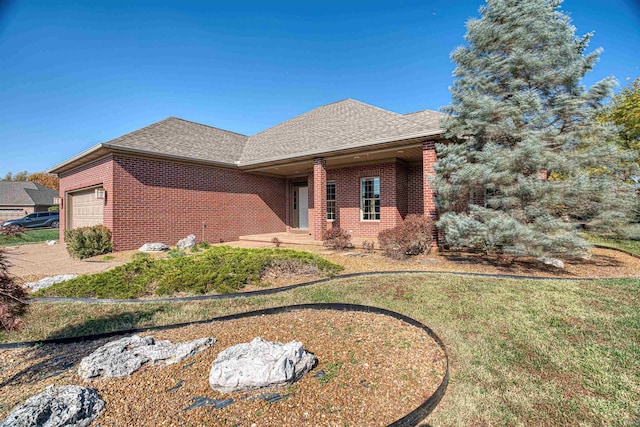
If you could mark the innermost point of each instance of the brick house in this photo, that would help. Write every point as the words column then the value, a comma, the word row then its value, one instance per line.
column 346, row 164
column 20, row 198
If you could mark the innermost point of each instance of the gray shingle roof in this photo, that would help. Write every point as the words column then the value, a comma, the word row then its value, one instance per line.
column 429, row 118
column 25, row 193
column 329, row 128
column 336, row 126
column 182, row 138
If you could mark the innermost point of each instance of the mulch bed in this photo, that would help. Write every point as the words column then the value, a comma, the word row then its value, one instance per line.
column 372, row 370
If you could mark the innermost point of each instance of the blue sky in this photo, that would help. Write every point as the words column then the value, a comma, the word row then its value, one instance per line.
column 76, row 73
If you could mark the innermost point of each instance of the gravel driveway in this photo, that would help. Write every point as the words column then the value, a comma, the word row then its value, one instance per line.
column 36, row 261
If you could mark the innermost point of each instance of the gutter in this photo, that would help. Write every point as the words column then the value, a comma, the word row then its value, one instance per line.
column 316, row 153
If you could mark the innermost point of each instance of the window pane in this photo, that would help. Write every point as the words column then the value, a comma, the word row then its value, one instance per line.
column 331, row 200
column 370, row 199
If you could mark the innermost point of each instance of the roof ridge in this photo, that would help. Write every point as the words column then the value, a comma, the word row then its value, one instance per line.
column 202, row 124
column 375, row 106
column 137, row 131
column 426, row 109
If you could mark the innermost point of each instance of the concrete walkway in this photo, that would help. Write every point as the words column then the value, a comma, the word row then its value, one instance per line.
column 297, row 238
column 38, row 260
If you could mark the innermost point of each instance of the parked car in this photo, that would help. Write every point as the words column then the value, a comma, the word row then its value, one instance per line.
column 36, row 219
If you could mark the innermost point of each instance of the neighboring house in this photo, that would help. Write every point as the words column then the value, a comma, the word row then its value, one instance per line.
column 346, row 164
column 19, row 198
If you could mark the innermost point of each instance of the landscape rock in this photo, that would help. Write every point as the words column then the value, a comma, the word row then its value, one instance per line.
column 552, row 261
column 125, row 356
column 187, row 243
column 49, row 281
column 69, row 405
column 153, row 247
column 259, row 364
column 51, row 242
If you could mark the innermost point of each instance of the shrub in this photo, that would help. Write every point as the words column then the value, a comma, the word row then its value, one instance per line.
column 13, row 298
column 368, row 246
column 412, row 237
column 11, row 231
column 337, row 238
column 175, row 253
column 220, row 269
column 86, row 242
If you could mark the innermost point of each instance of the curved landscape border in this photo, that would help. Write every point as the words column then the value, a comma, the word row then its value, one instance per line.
column 410, row 420
column 276, row 290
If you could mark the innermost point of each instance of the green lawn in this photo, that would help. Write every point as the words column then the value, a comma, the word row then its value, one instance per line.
column 31, row 236
column 523, row 352
column 632, row 246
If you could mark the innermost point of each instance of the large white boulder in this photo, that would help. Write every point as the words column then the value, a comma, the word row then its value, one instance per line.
column 49, row 281
column 69, row 405
column 153, row 247
column 125, row 356
column 187, row 243
column 259, row 364
column 554, row 262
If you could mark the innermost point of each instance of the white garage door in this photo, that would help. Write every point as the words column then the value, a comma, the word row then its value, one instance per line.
column 85, row 209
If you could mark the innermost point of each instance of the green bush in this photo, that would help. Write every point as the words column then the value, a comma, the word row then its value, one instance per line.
column 412, row 237
column 220, row 269
column 86, row 242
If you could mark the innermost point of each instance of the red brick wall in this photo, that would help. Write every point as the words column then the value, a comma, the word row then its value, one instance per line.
column 319, row 217
column 348, row 198
column 88, row 175
column 402, row 192
column 164, row 201
column 414, row 190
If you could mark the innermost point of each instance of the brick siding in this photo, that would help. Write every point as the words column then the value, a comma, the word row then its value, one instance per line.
column 348, row 198
column 164, row 201
column 98, row 172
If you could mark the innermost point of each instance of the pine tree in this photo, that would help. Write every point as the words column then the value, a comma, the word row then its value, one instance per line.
column 521, row 172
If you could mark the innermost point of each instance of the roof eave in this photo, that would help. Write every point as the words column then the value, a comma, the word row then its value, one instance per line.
column 104, row 148
column 62, row 167
column 341, row 150
column 129, row 150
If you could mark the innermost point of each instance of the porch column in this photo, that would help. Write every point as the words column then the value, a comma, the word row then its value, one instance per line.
column 428, row 192
column 319, row 197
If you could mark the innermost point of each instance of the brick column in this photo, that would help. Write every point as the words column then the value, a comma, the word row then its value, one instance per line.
column 319, row 198
column 287, row 202
column 428, row 192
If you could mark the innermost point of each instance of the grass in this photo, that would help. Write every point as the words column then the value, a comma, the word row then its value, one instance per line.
column 522, row 352
column 220, row 269
column 31, row 236
column 632, row 246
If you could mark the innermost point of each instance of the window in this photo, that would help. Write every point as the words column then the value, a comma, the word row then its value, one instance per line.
column 370, row 199
column 331, row 201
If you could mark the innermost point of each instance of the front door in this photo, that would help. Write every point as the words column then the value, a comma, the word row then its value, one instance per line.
column 303, row 208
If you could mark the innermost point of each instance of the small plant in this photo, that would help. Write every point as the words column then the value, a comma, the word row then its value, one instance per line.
column 368, row 246
column 412, row 237
column 175, row 253
column 13, row 299
column 11, row 231
column 86, row 242
column 337, row 238
column 277, row 242
column 204, row 245
column 107, row 257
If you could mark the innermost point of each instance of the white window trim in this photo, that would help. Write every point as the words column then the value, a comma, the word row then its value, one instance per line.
column 335, row 192
column 362, row 199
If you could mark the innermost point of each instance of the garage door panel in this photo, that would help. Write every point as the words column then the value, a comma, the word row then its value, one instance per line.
column 86, row 209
